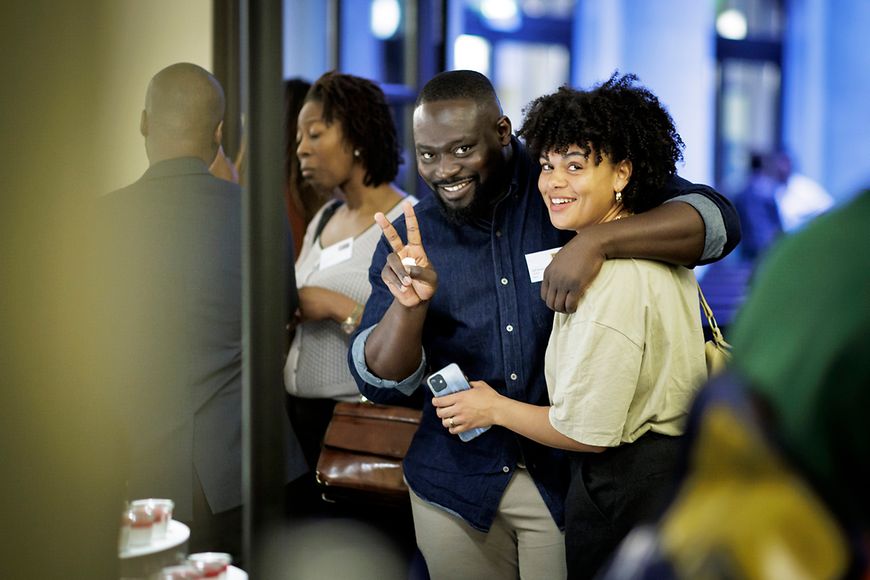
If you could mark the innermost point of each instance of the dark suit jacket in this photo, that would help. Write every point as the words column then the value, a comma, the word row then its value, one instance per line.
column 175, row 294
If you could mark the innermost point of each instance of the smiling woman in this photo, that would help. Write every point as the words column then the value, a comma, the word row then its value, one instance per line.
column 618, row 123
column 580, row 192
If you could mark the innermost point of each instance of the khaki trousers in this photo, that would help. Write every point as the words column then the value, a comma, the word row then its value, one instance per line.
column 523, row 542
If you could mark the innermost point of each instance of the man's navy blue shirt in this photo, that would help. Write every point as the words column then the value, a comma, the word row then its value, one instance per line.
column 488, row 317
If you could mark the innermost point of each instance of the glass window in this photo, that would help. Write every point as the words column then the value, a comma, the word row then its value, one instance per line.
column 524, row 71
column 523, row 46
column 472, row 53
column 373, row 37
column 749, row 19
column 749, row 78
column 749, row 116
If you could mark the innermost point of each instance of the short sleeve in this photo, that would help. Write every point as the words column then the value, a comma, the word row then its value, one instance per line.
column 595, row 383
column 594, row 358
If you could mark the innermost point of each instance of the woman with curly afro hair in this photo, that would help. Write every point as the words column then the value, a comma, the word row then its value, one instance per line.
column 623, row 369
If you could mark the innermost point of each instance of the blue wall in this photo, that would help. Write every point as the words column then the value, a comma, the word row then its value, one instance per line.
column 847, row 87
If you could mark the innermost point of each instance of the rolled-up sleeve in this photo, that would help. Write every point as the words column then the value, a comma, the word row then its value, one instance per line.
column 714, row 226
column 721, row 222
column 358, row 357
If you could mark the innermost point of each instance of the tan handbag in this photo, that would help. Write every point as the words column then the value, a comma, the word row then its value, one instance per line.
column 716, row 350
column 362, row 453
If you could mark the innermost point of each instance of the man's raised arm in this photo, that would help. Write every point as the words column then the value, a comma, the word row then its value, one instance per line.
column 389, row 352
column 696, row 225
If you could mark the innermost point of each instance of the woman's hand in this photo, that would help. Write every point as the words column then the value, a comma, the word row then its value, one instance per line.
column 316, row 303
column 410, row 284
column 476, row 407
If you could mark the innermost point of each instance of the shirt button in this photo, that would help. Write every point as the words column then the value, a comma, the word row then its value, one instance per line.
column 509, row 327
column 505, row 468
column 504, row 281
column 513, row 376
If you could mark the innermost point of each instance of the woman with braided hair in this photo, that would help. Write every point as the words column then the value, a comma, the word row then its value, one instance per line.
column 346, row 144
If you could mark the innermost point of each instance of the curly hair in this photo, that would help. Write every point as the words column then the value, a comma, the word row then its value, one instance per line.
column 361, row 108
column 617, row 118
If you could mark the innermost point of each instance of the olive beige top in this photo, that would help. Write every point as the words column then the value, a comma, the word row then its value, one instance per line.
column 631, row 358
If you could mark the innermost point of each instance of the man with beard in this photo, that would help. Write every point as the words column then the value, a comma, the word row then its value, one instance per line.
column 493, row 507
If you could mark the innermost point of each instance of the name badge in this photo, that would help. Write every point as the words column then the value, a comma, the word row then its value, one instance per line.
column 336, row 253
column 538, row 262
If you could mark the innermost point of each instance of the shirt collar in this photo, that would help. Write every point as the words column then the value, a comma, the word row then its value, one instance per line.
column 177, row 166
column 518, row 166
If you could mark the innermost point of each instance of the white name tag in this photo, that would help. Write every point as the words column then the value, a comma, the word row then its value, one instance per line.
column 538, row 262
column 336, row 253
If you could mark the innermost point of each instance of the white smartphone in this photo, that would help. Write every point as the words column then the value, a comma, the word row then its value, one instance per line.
column 451, row 380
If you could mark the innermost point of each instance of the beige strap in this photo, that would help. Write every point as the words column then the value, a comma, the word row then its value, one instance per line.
column 718, row 337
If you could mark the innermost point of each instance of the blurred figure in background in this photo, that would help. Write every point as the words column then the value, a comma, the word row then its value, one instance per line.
column 776, row 200
column 174, row 288
column 779, row 467
column 223, row 167
column 347, row 143
column 757, row 207
column 799, row 198
column 303, row 199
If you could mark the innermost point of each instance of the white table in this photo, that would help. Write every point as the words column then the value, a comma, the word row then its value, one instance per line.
column 142, row 561
column 176, row 534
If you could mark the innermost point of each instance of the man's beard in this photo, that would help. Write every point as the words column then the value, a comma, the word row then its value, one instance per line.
column 480, row 207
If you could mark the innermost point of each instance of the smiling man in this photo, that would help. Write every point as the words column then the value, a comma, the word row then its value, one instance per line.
column 494, row 507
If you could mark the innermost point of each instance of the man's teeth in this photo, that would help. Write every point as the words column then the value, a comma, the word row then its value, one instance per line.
column 455, row 187
column 561, row 200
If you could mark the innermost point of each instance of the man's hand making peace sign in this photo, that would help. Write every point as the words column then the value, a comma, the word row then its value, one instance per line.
column 394, row 348
column 407, row 273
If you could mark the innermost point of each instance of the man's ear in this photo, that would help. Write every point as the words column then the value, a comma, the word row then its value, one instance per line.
column 503, row 128
column 143, row 123
column 219, row 133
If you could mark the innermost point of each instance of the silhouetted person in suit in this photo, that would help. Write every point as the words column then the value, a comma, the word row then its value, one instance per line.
column 176, row 296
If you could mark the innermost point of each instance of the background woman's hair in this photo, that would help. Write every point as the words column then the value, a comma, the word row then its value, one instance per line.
column 618, row 118
column 361, row 108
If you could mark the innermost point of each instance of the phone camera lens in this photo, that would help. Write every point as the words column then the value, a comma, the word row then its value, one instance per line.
column 438, row 383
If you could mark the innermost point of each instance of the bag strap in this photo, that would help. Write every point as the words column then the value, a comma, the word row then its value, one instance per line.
column 324, row 217
column 716, row 332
